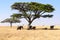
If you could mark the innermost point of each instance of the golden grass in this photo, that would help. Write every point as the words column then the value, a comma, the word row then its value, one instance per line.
column 7, row 33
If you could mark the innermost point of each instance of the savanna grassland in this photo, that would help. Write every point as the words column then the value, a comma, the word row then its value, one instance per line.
column 8, row 33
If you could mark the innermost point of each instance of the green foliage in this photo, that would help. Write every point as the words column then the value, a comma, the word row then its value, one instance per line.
column 16, row 15
column 47, row 16
column 11, row 20
column 36, row 6
column 36, row 10
column 48, row 8
column 20, row 6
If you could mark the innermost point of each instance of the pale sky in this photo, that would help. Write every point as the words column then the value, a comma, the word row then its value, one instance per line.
column 6, row 11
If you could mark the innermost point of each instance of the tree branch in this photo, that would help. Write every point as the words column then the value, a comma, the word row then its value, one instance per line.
column 42, row 13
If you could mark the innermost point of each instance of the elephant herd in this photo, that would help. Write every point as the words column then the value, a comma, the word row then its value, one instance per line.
column 33, row 27
column 30, row 28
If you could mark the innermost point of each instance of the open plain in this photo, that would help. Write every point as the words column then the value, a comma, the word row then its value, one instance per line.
column 8, row 33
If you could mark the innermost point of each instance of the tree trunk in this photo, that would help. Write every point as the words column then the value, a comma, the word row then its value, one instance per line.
column 11, row 25
column 30, row 27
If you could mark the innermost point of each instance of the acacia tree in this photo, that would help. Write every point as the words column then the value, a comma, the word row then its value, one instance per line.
column 11, row 20
column 31, row 11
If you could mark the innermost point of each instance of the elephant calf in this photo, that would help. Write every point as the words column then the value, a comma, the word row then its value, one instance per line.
column 52, row 27
column 34, row 28
column 30, row 27
column 20, row 27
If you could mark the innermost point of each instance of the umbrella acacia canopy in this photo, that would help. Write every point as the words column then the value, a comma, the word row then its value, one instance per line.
column 11, row 20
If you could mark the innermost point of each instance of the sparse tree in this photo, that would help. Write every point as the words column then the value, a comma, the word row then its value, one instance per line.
column 31, row 11
column 11, row 20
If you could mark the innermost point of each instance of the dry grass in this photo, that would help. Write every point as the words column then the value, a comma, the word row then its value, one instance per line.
column 7, row 33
